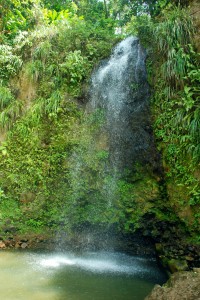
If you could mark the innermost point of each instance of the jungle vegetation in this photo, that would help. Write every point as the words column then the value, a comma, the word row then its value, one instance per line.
column 48, row 177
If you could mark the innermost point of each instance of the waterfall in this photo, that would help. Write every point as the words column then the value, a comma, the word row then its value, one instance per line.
column 119, row 87
column 107, row 171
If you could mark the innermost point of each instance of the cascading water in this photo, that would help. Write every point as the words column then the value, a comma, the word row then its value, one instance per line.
column 120, row 87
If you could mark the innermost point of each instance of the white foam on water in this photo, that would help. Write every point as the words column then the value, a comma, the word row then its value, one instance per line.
column 56, row 262
column 96, row 263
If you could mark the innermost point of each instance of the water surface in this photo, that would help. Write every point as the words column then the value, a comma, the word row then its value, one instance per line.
column 68, row 276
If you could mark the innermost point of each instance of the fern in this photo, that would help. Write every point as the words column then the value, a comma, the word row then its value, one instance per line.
column 10, row 114
column 6, row 97
column 53, row 103
column 42, row 51
column 36, row 112
column 34, row 70
column 173, row 37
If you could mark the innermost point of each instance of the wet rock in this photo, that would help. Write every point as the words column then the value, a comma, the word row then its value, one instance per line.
column 191, row 248
column 2, row 245
column 181, row 285
column 10, row 243
column 189, row 258
column 178, row 256
column 159, row 248
column 24, row 245
column 175, row 265
column 24, row 240
column 17, row 245
column 10, row 229
column 196, row 270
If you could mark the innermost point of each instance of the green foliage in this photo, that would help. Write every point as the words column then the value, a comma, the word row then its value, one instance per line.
column 2, row 195
column 62, row 56
column 176, row 108
column 16, row 15
column 10, row 63
column 44, row 138
column 9, row 209
column 180, row 75
column 10, row 114
column 34, row 70
column 141, row 26
column 42, row 51
column 57, row 5
column 32, row 159
column 53, row 16
column 5, row 97
column 173, row 39
column 46, row 133
column 75, row 69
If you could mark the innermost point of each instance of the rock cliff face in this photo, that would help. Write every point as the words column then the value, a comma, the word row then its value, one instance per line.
column 181, row 285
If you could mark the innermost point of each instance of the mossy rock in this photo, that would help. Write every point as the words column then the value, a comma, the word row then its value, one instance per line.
column 176, row 265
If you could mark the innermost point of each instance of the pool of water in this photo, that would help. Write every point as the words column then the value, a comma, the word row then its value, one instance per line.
column 26, row 275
